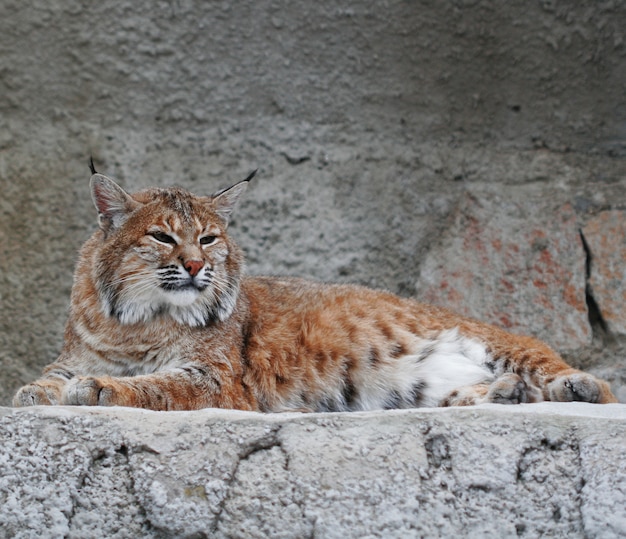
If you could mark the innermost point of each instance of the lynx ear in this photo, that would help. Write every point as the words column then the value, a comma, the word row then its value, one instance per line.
column 112, row 202
column 224, row 201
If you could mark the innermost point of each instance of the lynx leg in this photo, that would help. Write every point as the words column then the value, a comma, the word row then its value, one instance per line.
column 150, row 392
column 188, row 388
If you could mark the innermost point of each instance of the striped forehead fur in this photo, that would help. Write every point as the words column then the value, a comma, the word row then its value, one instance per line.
column 176, row 198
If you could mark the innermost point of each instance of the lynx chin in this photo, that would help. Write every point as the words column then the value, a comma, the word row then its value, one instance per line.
column 162, row 317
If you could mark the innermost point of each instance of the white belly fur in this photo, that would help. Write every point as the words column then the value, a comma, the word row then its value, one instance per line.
column 456, row 361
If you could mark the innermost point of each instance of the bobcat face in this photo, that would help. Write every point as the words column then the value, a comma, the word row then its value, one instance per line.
column 166, row 252
column 188, row 256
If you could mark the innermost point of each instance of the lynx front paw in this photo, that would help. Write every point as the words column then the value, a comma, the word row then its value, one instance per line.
column 580, row 386
column 35, row 395
column 89, row 391
column 508, row 389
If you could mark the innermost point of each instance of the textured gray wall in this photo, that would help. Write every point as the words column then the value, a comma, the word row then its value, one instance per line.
column 500, row 73
column 374, row 127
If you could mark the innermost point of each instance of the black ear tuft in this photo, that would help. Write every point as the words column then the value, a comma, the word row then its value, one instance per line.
column 251, row 175
column 93, row 169
column 224, row 201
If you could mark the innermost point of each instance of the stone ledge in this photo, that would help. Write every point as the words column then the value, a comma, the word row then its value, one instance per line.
column 488, row 471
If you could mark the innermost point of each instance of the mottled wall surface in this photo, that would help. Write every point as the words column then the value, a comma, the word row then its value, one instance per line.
column 552, row 71
column 450, row 151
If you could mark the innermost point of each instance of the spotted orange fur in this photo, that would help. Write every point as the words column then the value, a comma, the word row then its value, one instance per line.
column 161, row 317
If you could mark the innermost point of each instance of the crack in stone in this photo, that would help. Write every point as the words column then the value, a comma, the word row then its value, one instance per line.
column 597, row 323
column 98, row 456
column 264, row 443
column 532, row 475
column 438, row 452
column 579, row 499
column 127, row 451
column 267, row 442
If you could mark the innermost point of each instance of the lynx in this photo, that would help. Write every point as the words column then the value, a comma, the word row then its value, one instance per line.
column 161, row 317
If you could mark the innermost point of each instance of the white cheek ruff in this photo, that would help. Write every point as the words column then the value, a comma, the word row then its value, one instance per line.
column 139, row 300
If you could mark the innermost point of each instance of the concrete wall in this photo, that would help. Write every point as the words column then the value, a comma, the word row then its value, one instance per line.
column 548, row 72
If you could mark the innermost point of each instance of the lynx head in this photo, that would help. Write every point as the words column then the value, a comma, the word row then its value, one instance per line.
column 165, row 252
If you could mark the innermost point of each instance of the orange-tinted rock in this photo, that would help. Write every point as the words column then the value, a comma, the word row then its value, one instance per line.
column 519, row 264
column 605, row 235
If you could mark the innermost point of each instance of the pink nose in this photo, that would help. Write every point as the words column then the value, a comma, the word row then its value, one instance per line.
column 193, row 266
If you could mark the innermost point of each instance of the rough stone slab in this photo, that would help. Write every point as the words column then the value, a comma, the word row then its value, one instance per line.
column 515, row 261
column 605, row 235
column 556, row 470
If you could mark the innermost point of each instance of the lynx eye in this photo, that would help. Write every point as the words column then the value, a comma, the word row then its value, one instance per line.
column 208, row 240
column 163, row 237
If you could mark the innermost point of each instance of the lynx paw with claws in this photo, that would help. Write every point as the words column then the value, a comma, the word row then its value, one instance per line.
column 35, row 395
column 89, row 391
column 508, row 389
column 581, row 387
